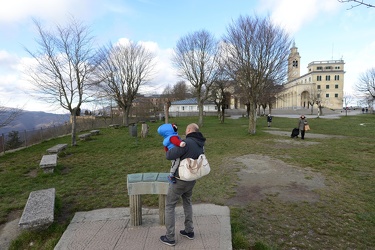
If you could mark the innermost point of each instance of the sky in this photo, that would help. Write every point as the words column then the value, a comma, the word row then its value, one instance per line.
column 321, row 29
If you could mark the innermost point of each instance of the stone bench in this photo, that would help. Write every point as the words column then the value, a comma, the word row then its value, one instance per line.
column 38, row 213
column 146, row 183
column 48, row 163
column 84, row 137
column 94, row 132
column 114, row 125
column 57, row 148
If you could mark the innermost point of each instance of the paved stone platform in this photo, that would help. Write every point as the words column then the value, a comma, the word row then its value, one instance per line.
column 109, row 228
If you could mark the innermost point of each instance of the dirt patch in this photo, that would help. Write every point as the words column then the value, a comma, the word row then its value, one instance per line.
column 10, row 230
column 262, row 176
column 307, row 135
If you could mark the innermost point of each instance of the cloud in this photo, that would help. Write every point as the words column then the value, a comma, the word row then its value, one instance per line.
column 8, row 62
column 294, row 14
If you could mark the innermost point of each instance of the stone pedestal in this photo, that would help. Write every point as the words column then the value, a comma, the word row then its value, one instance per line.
column 146, row 183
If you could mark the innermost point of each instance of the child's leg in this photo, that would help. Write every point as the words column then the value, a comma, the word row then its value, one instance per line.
column 175, row 164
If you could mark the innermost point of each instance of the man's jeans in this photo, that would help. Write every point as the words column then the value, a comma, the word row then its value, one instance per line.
column 185, row 190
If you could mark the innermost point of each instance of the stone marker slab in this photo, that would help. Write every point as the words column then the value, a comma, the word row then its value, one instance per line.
column 94, row 132
column 48, row 163
column 57, row 148
column 39, row 210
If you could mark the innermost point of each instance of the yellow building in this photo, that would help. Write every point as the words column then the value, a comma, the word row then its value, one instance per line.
column 324, row 84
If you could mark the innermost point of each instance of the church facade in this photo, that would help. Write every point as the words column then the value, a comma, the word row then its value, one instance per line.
column 323, row 84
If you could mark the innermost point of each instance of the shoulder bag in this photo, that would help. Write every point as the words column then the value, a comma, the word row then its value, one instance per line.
column 190, row 169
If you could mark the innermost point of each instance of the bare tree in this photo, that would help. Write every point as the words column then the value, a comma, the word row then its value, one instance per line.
column 366, row 84
column 256, row 53
column 195, row 58
column 268, row 97
column 220, row 97
column 8, row 115
column 64, row 67
column 347, row 99
column 315, row 97
column 180, row 91
column 357, row 3
column 125, row 68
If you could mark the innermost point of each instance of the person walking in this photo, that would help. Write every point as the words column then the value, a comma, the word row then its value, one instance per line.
column 193, row 148
column 269, row 120
column 301, row 126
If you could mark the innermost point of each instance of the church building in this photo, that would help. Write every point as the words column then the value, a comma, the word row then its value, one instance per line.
column 322, row 84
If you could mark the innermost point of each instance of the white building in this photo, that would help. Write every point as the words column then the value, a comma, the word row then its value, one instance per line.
column 190, row 107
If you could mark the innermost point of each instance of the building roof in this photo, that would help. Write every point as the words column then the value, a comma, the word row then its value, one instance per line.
column 191, row 101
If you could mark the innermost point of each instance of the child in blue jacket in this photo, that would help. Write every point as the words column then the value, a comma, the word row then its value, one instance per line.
column 171, row 139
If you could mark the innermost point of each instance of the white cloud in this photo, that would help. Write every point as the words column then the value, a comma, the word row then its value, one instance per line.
column 294, row 14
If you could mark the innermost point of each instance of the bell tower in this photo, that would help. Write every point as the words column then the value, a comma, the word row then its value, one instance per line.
column 294, row 63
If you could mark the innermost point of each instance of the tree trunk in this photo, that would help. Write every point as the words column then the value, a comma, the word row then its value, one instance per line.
column 252, row 119
column 320, row 110
column 74, row 127
column 222, row 115
column 125, row 118
column 200, row 107
column 166, row 112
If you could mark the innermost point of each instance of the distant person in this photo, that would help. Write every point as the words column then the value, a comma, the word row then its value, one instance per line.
column 194, row 147
column 269, row 120
column 171, row 140
column 366, row 110
column 301, row 126
column 363, row 110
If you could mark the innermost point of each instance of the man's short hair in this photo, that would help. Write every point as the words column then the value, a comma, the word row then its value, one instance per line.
column 194, row 127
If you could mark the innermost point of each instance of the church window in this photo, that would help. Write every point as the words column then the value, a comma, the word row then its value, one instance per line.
column 319, row 78
column 337, row 67
column 328, row 78
column 328, row 67
column 319, row 68
column 327, row 86
column 318, row 86
column 327, row 95
column 295, row 63
column 336, row 95
column 337, row 77
column 336, row 86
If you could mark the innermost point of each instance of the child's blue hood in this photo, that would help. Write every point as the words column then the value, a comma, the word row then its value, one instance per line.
column 166, row 130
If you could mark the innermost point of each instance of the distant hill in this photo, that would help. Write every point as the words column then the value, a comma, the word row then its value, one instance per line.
column 31, row 120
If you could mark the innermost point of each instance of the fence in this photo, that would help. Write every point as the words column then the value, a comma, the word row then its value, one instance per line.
column 30, row 137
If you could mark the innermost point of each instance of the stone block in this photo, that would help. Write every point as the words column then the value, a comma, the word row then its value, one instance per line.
column 48, row 163
column 38, row 213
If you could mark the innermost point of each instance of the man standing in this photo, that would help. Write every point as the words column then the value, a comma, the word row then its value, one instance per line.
column 269, row 120
column 194, row 147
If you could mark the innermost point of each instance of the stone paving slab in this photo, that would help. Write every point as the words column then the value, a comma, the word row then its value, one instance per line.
column 109, row 228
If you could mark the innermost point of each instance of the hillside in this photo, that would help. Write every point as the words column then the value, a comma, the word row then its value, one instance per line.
column 31, row 120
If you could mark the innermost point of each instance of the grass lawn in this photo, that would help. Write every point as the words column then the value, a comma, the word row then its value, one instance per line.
column 93, row 174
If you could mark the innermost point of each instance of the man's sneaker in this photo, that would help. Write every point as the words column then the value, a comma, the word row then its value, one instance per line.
column 171, row 179
column 190, row 236
column 166, row 241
